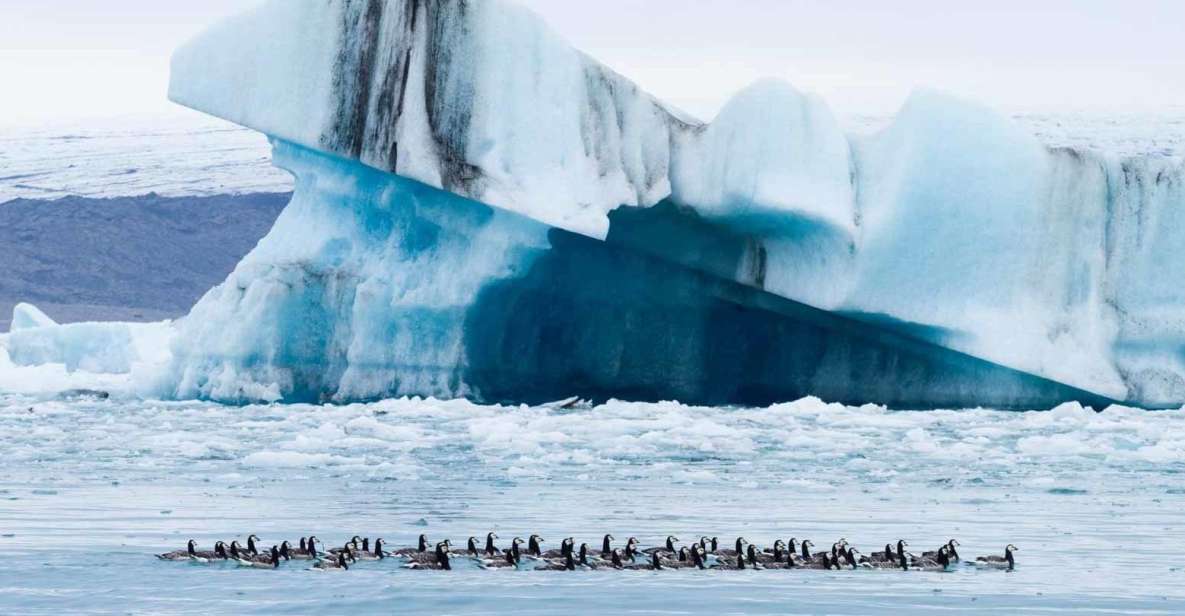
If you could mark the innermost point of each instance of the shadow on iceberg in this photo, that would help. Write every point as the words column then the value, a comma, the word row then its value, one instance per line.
column 611, row 320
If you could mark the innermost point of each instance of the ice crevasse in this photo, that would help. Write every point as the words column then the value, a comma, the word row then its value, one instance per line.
column 484, row 211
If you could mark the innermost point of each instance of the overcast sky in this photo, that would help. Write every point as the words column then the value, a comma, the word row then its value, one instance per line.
column 69, row 59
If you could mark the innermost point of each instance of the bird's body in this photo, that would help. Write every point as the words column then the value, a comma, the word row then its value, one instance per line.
column 669, row 546
column 192, row 554
column 421, row 548
column 270, row 560
column 1007, row 561
column 337, row 563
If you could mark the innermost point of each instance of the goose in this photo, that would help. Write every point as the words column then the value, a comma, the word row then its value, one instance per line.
column 838, row 549
column 940, row 562
column 631, row 549
column 237, row 552
column 353, row 545
column 491, row 549
column 1007, row 561
column 950, row 551
column 739, row 548
column 655, row 563
column 471, row 548
column 583, row 560
column 607, row 546
column 779, row 551
column 567, row 546
column 752, row 556
column 439, row 559
column 534, row 546
column 377, row 554
column 251, row 549
column 270, row 560
column 421, row 548
column 510, row 557
column 886, row 556
column 807, row 544
column 333, row 564
column 857, row 560
column 191, row 553
column 668, row 547
column 901, row 553
column 615, row 559
column 307, row 550
column 568, row 564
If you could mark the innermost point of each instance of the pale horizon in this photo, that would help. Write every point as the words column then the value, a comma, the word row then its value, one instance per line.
column 72, row 60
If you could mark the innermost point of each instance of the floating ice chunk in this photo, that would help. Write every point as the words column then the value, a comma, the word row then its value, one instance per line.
column 28, row 316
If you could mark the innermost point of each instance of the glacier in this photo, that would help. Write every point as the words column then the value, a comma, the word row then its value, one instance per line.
column 483, row 211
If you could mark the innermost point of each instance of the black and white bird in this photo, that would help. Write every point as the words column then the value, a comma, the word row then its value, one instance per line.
column 1007, row 561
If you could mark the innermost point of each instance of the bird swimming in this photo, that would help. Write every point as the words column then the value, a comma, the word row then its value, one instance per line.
column 251, row 549
column 491, row 549
column 747, row 555
column 1008, row 561
column 338, row 563
column 270, row 560
column 191, row 553
column 606, row 546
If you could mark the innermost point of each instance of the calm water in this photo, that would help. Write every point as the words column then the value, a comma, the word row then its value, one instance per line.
column 89, row 490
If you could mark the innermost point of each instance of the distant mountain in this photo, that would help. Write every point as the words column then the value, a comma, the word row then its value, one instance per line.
column 130, row 258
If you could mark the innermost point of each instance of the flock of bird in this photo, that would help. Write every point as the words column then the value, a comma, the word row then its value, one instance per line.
column 702, row 554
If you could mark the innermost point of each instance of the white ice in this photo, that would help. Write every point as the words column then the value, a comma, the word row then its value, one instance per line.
column 1059, row 261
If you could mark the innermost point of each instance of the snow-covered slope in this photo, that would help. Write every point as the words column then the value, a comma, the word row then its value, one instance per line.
column 953, row 224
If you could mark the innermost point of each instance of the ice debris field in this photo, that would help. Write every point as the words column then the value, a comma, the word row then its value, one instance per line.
column 93, row 488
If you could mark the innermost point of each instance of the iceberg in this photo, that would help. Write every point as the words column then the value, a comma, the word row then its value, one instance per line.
column 483, row 211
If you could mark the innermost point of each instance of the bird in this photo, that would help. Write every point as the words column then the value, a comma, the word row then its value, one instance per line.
column 607, row 546
column 752, row 555
column 191, row 553
column 421, row 548
column 337, row 563
column 534, row 546
column 951, row 552
column 631, row 549
column 353, row 545
column 1007, row 561
column 438, row 560
column 307, row 549
column 940, row 562
column 567, row 564
column 251, row 548
column 237, row 552
column 270, row 560
column 491, row 549
column 779, row 551
column 655, row 563
column 668, row 547
column 583, row 560
column 567, row 546
column 377, row 554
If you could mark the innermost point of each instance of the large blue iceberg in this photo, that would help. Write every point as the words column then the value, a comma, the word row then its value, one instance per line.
column 483, row 211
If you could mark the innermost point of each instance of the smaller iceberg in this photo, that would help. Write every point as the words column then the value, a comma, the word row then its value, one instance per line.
column 28, row 316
